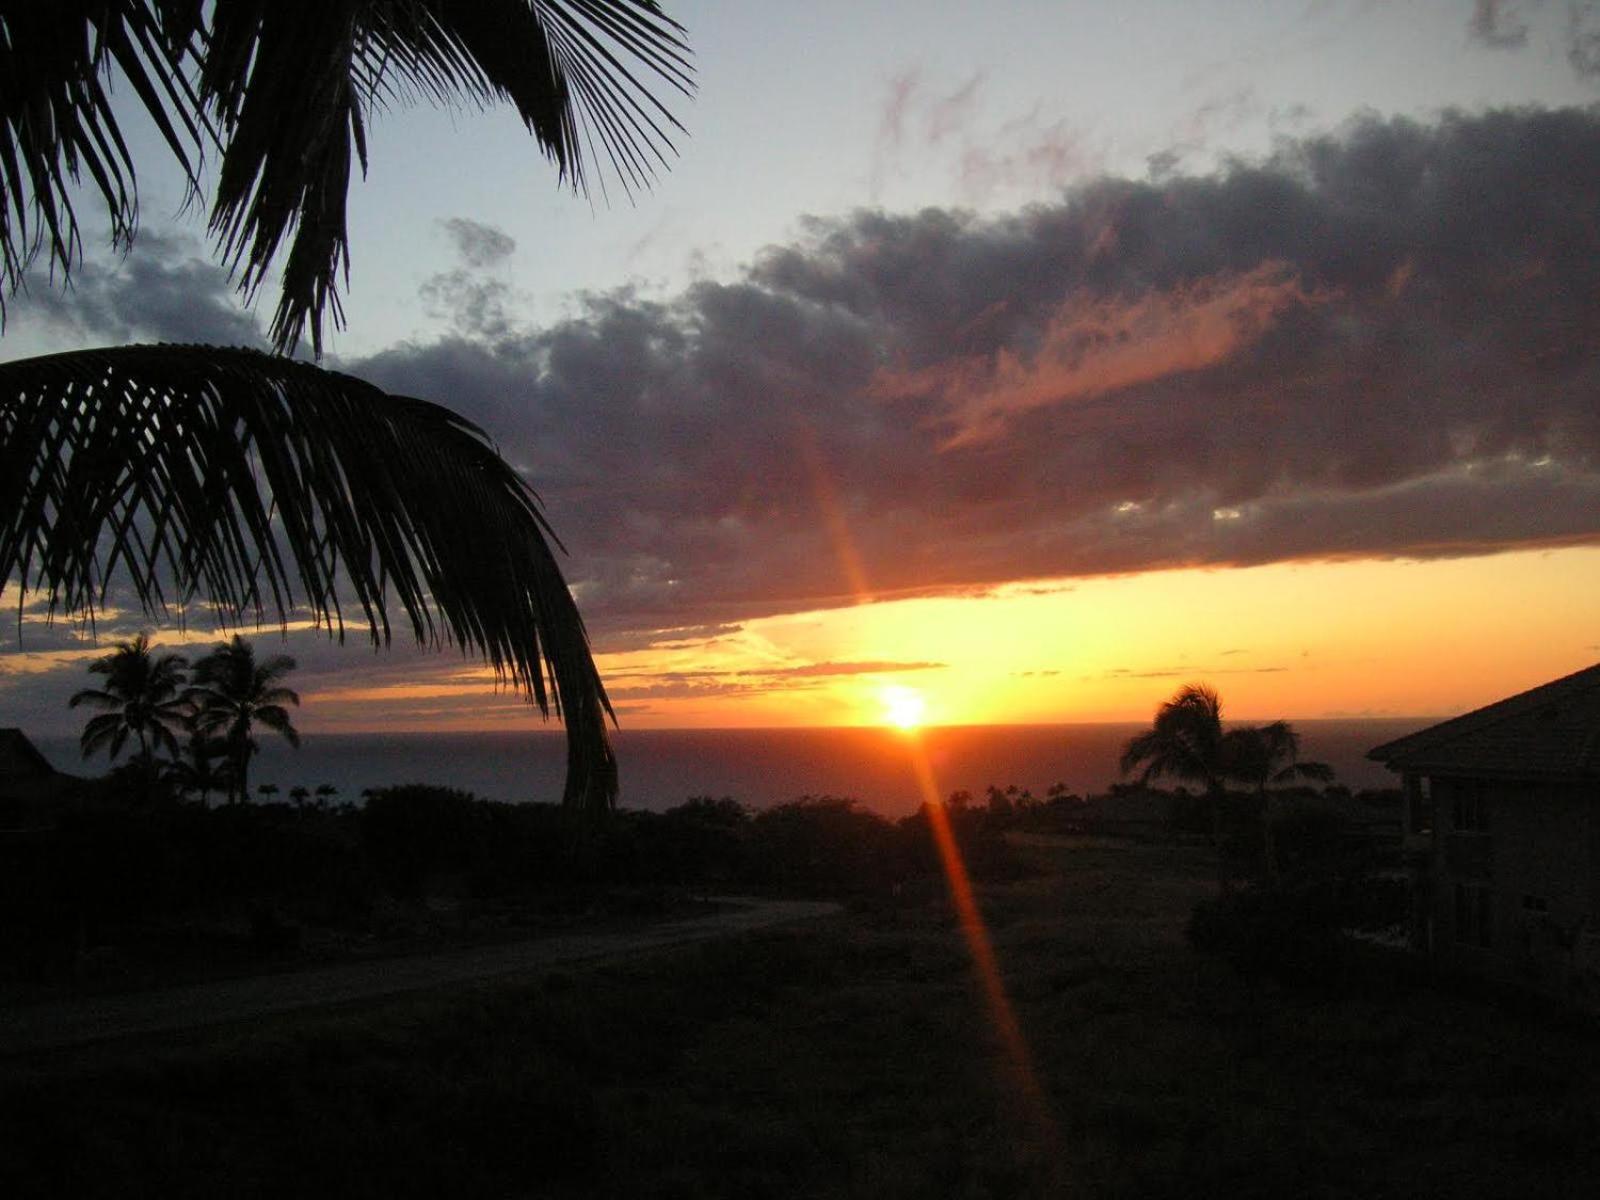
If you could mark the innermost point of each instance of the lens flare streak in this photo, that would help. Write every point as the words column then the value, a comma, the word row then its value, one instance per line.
column 985, row 966
column 984, row 963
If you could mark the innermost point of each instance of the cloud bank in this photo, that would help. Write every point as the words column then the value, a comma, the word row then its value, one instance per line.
column 1383, row 342
column 1380, row 342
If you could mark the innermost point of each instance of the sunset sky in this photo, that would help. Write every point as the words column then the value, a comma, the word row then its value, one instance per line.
column 1030, row 360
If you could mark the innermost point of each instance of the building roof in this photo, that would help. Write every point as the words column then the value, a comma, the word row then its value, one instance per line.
column 1549, row 732
column 19, row 759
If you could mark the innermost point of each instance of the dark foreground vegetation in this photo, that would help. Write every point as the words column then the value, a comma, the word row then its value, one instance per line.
column 854, row 1057
column 119, row 890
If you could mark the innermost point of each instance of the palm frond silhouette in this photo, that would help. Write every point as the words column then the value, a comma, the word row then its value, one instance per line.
column 265, row 487
column 258, row 485
column 280, row 93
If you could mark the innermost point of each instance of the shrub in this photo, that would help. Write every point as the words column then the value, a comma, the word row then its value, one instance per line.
column 703, row 841
column 825, row 844
column 984, row 851
column 1298, row 932
column 1287, row 934
column 415, row 831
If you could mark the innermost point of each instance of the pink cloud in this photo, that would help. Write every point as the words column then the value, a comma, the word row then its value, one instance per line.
column 1098, row 344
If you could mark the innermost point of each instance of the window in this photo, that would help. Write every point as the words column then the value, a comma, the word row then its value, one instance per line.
column 1469, row 807
column 1419, row 804
column 1535, row 904
column 1474, row 915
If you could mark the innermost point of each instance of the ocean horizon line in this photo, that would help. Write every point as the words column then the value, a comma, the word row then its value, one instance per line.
column 555, row 728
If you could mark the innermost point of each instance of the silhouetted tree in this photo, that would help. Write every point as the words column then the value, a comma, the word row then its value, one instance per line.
column 233, row 693
column 1186, row 742
column 203, row 767
column 142, row 698
column 244, row 460
column 1257, row 755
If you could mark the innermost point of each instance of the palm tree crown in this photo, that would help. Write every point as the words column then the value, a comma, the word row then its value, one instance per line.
column 1185, row 741
column 1261, row 754
column 142, row 697
column 233, row 693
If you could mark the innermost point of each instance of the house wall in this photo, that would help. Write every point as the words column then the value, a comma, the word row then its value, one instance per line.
column 1533, row 848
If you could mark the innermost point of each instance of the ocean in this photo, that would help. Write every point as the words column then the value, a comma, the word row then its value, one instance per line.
column 758, row 767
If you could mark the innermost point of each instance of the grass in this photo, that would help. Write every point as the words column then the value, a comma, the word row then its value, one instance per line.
column 852, row 1058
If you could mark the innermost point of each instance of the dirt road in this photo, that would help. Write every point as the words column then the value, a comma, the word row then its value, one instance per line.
column 49, row 1026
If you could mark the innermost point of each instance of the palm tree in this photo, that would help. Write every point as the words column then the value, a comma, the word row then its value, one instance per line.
column 233, row 693
column 1186, row 741
column 198, row 769
column 142, row 697
column 1261, row 754
column 252, row 481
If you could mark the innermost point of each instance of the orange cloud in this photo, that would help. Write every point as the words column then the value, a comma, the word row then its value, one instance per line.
column 1099, row 344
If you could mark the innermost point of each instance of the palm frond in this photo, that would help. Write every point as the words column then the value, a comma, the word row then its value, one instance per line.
column 277, row 719
column 1316, row 772
column 58, row 124
column 107, row 727
column 283, row 90
column 262, row 487
column 291, row 88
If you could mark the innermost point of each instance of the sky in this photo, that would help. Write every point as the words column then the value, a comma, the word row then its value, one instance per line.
column 1007, row 363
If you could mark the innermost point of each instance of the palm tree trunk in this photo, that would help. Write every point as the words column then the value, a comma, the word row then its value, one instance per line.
column 147, row 769
column 1214, row 793
column 1269, row 842
column 241, row 771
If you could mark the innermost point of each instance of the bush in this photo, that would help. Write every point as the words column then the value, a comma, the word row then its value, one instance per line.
column 703, row 841
column 1286, row 934
column 415, row 831
column 984, row 851
column 825, row 844
column 1296, row 933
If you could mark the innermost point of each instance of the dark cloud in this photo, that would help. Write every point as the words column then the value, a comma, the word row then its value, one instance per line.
column 167, row 290
column 475, row 296
column 1498, row 24
column 1187, row 672
column 1583, row 37
column 1507, row 25
column 687, row 637
column 821, row 669
column 918, row 123
column 1380, row 343
column 477, row 244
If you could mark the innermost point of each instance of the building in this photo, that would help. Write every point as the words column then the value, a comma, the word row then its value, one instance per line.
column 30, row 788
column 1503, row 834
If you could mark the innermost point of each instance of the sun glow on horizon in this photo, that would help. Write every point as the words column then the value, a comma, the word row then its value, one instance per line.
column 903, row 707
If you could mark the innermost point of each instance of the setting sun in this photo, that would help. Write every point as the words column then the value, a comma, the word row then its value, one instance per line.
column 902, row 706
